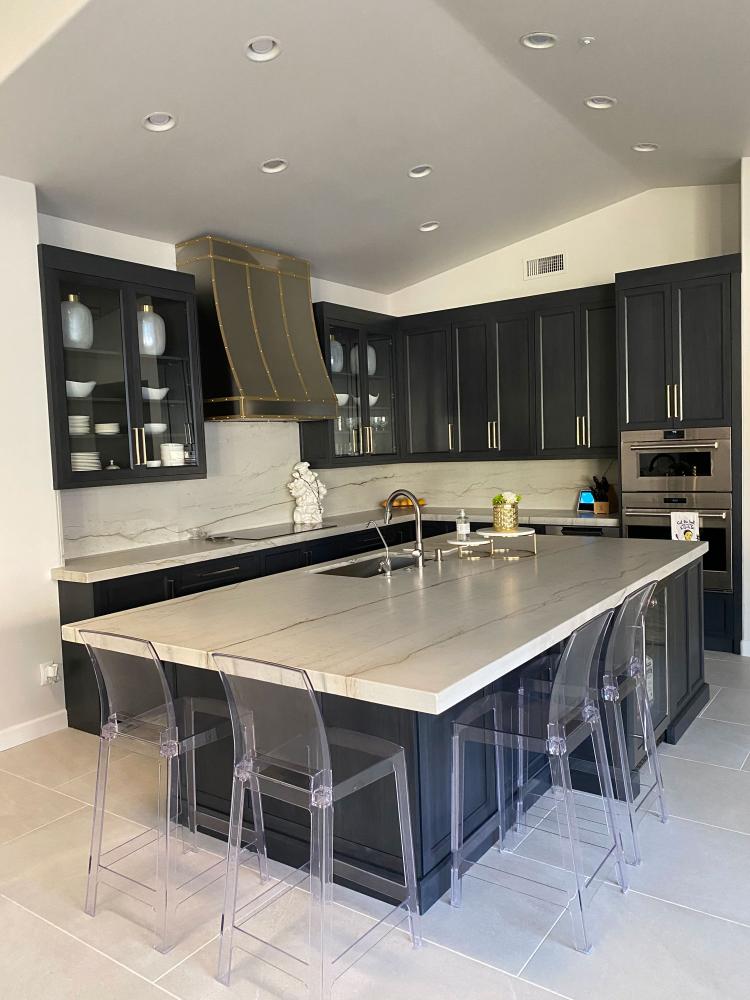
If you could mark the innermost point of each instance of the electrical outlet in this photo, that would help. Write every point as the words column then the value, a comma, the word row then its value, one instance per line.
column 49, row 673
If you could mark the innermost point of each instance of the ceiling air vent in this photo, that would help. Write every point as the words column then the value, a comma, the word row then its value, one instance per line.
column 537, row 267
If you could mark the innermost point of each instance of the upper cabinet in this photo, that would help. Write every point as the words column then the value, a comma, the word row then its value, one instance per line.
column 576, row 373
column 429, row 412
column 675, row 344
column 123, row 372
column 358, row 348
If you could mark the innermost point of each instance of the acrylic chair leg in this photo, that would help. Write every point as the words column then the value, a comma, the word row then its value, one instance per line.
column 234, row 847
column 562, row 788
column 407, row 849
column 647, row 724
column 521, row 764
column 188, row 815
column 169, row 800
column 321, row 882
column 259, row 827
column 625, row 805
column 457, row 816
column 499, row 781
column 605, row 783
column 97, row 826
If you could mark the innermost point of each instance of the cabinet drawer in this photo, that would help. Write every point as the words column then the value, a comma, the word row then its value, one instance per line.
column 215, row 573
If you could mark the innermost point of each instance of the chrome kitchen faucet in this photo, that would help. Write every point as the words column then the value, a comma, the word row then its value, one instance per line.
column 418, row 551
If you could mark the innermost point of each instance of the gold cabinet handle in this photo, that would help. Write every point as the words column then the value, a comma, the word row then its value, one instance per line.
column 369, row 440
column 677, row 401
column 144, row 456
column 137, row 442
column 489, row 434
column 669, row 403
column 495, row 435
column 450, row 437
column 585, row 432
column 578, row 432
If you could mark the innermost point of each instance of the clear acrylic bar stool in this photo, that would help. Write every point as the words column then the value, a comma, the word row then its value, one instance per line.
column 554, row 842
column 138, row 709
column 283, row 752
column 625, row 675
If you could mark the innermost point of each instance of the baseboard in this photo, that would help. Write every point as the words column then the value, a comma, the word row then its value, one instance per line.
column 14, row 736
column 745, row 647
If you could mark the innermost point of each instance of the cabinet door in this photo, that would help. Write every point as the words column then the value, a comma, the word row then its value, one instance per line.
column 381, row 437
column 557, row 379
column 701, row 351
column 677, row 642
column 515, row 422
column 645, row 357
column 475, row 387
column 429, row 423
column 599, row 376
column 281, row 560
column 167, row 396
column 346, row 367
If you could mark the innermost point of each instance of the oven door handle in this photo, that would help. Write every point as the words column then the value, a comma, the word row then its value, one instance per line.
column 676, row 446
column 632, row 512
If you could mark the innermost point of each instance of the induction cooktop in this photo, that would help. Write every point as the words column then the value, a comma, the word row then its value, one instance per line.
column 270, row 531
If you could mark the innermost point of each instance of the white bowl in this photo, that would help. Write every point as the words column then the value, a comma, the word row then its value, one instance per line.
column 154, row 394
column 154, row 428
column 78, row 390
column 373, row 399
column 342, row 398
column 154, row 463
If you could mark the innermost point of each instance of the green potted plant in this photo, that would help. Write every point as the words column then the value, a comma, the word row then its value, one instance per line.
column 505, row 511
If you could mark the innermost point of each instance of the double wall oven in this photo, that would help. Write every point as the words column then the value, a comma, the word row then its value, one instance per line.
column 688, row 469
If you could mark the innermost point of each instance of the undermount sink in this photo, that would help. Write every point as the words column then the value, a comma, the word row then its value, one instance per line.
column 368, row 567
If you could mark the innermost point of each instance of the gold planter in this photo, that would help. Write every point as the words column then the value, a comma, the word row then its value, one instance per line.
column 505, row 517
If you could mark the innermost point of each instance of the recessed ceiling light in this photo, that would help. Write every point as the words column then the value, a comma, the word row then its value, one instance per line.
column 274, row 166
column 262, row 48
column 429, row 227
column 538, row 40
column 586, row 40
column 421, row 170
column 159, row 121
column 600, row 103
column 645, row 147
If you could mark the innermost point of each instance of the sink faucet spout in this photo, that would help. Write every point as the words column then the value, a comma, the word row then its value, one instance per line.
column 418, row 551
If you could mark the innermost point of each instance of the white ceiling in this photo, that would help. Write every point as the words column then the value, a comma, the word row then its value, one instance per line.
column 363, row 90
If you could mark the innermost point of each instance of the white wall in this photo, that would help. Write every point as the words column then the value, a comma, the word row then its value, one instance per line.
column 661, row 226
column 29, row 622
column 106, row 242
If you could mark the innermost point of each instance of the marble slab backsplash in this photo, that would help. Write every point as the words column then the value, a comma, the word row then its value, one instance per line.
column 248, row 468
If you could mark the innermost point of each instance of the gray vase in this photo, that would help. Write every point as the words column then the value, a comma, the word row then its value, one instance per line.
column 152, row 334
column 77, row 324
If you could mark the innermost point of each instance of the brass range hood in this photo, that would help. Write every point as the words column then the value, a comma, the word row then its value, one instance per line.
column 260, row 355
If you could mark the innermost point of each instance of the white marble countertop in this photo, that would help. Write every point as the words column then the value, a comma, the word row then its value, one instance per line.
column 149, row 558
column 422, row 640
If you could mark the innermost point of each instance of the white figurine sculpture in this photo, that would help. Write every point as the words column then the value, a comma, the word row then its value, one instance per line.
column 308, row 492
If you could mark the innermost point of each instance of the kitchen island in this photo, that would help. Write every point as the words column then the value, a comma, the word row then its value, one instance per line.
column 399, row 657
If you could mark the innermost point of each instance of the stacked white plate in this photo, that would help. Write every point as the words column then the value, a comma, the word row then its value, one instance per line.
column 85, row 461
column 111, row 428
column 78, row 425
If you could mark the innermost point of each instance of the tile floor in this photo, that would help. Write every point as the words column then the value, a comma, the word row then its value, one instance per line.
column 682, row 930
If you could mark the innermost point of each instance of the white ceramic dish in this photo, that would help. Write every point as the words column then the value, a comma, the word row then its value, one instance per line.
column 154, row 463
column 342, row 398
column 154, row 394
column 78, row 390
column 154, row 428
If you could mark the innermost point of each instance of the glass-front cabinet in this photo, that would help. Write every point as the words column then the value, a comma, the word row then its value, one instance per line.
column 359, row 352
column 123, row 371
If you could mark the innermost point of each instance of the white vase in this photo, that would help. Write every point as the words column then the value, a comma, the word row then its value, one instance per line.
column 337, row 356
column 152, row 334
column 77, row 324
column 372, row 360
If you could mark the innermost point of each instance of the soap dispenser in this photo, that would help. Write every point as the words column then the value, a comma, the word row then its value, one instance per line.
column 463, row 527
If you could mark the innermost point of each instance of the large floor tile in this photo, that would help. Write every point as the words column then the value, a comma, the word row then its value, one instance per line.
column 649, row 949
column 57, row 758
column 726, row 670
column 712, row 742
column 25, row 806
column 695, row 865
column 46, row 872
column 132, row 788
column 730, row 705
column 391, row 969
column 707, row 794
column 40, row 962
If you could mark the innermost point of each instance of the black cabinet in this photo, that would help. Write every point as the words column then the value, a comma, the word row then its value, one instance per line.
column 123, row 371
column 576, row 374
column 475, row 387
column 675, row 344
column 515, row 433
column 684, row 636
column 359, row 351
column 429, row 418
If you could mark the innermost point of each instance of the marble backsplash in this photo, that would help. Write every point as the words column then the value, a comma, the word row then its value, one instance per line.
column 248, row 468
